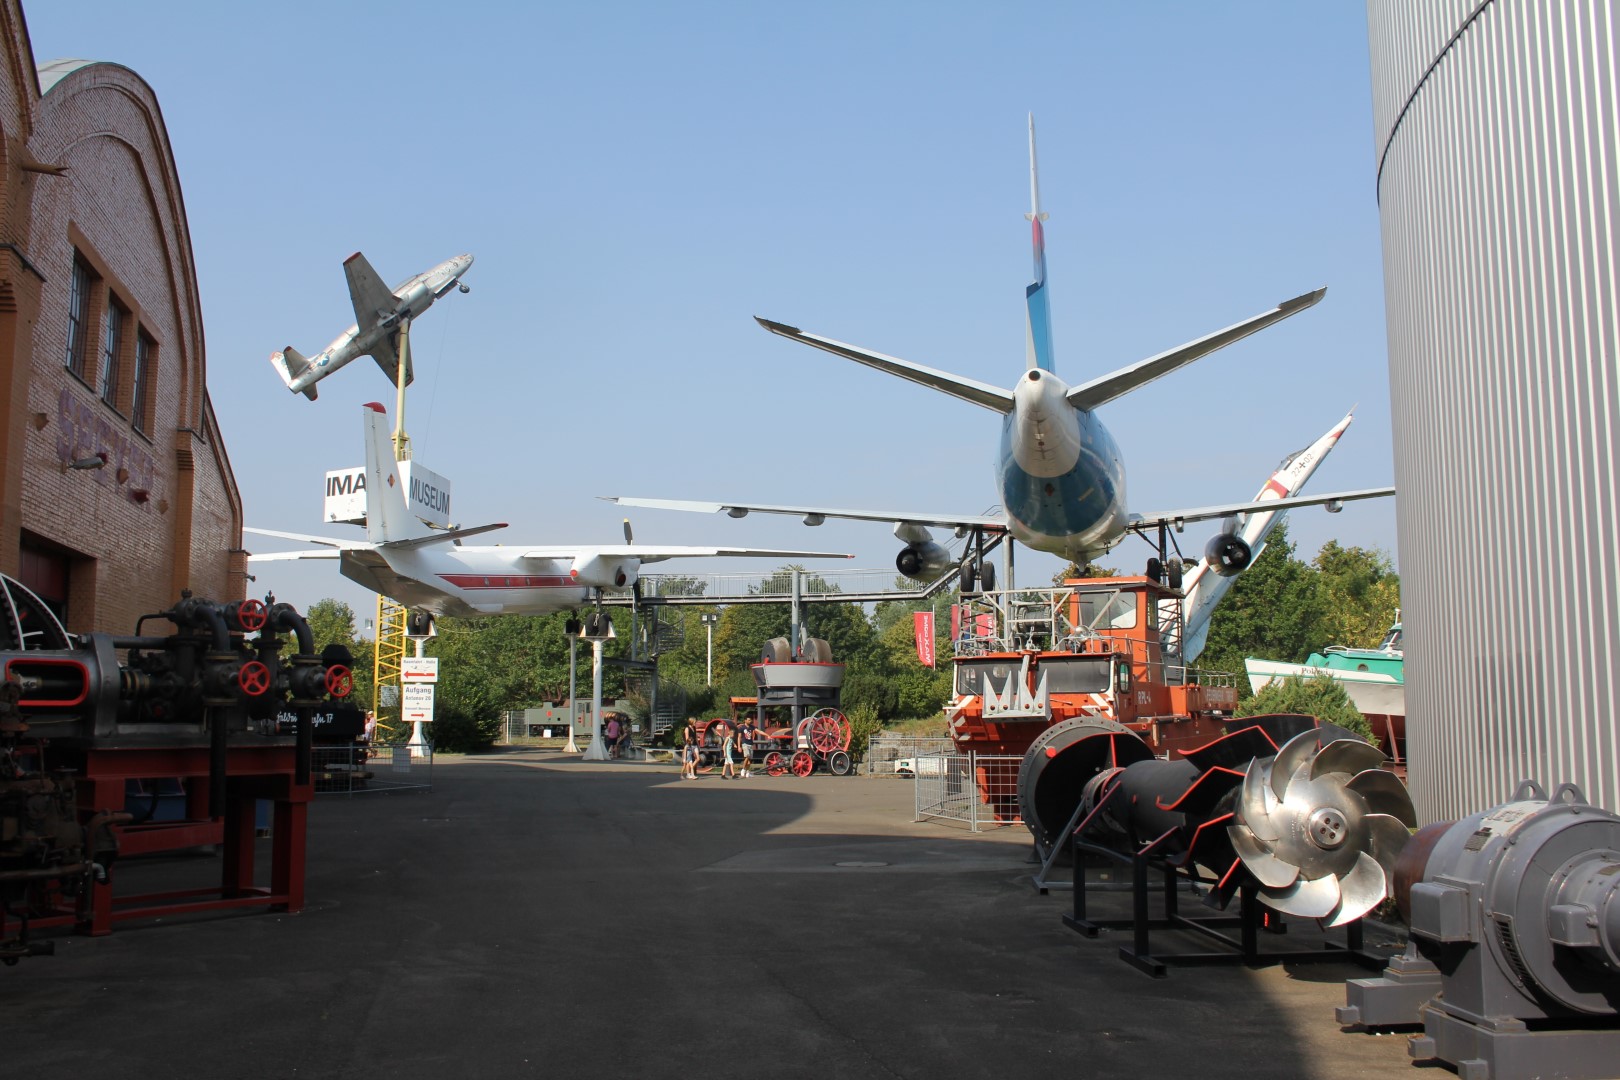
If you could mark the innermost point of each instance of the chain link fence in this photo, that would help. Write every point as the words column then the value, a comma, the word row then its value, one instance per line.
column 357, row 770
column 976, row 790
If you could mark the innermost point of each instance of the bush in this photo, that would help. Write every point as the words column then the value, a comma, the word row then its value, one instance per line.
column 863, row 724
column 1320, row 696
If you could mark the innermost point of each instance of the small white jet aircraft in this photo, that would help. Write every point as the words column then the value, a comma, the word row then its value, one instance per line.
column 1060, row 475
column 422, row 568
column 378, row 313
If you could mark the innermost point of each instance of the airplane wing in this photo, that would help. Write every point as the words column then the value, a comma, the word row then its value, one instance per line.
column 442, row 537
column 1105, row 389
column 373, row 301
column 327, row 541
column 652, row 553
column 1178, row 518
column 287, row 556
column 990, row 397
column 814, row 515
column 387, row 357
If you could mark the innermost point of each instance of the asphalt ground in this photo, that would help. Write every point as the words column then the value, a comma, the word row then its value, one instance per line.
column 534, row 915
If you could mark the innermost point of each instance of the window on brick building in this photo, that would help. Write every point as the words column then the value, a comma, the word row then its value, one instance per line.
column 112, row 344
column 145, row 366
column 78, row 335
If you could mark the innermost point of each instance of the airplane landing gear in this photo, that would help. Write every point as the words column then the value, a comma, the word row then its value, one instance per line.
column 977, row 574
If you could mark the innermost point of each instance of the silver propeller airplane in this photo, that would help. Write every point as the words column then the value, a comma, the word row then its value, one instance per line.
column 1060, row 475
column 378, row 313
column 423, row 568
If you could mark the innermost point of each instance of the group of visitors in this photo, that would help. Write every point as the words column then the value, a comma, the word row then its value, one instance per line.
column 736, row 749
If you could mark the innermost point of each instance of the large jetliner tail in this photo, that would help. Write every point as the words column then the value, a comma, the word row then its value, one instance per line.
column 1038, row 325
column 290, row 364
column 388, row 518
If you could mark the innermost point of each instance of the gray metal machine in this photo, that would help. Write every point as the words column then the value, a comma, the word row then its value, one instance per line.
column 1514, row 964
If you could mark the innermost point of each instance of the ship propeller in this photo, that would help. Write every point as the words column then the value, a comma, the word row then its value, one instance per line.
column 1320, row 828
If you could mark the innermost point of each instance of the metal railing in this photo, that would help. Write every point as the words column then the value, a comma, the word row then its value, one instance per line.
column 357, row 770
column 978, row 790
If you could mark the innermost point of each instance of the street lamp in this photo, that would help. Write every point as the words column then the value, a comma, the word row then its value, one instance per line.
column 709, row 618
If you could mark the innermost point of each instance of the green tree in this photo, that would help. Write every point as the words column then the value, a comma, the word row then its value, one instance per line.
column 331, row 622
column 1320, row 696
column 1359, row 593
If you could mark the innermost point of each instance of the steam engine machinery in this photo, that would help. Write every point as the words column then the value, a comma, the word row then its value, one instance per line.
column 84, row 717
column 1514, row 960
column 1312, row 829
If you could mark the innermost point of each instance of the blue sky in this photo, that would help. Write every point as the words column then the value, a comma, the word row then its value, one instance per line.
column 637, row 180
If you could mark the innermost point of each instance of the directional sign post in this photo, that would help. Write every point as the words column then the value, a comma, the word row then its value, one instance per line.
column 419, row 669
column 418, row 703
column 417, row 676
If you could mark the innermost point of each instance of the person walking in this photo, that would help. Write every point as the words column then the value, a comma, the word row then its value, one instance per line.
column 689, row 745
column 612, row 733
column 746, row 738
column 728, row 748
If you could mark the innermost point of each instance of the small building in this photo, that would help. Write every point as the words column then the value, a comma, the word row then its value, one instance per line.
column 115, row 488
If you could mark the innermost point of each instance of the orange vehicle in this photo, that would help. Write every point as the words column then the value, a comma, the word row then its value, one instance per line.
column 1039, row 672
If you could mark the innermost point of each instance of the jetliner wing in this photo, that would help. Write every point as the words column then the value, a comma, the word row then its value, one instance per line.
column 373, row 301
column 649, row 553
column 326, row 541
column 990, row 397
column 1105, row 389
column 815, row 515
column 1177, row 518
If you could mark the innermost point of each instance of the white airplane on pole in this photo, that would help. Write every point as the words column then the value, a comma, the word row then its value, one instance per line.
column 378, row 313
column 1059, row 473
column 431, row 570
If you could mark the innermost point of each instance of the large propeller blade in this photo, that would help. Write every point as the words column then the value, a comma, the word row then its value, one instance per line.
column 1320, row 827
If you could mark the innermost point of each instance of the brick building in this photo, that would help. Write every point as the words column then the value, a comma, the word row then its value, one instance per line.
column 115, row 491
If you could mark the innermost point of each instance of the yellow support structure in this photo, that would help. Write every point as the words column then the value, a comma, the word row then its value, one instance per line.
column 389, row 654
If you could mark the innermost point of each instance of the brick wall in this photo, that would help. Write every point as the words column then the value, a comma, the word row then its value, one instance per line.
column 163, row 512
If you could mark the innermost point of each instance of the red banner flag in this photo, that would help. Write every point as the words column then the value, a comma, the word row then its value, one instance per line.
column 924, row 621
column 956, row 621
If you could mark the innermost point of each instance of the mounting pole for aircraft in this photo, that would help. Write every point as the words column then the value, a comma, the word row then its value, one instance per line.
column 596, row 751
column 402, row 442
column 573, row 708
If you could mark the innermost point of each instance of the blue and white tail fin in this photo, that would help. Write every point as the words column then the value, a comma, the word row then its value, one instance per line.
column 1038, row 324
column 388, row 518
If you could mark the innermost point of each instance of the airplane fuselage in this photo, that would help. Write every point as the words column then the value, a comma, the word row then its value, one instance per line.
column 1060, row 474
column 468, row 582
column 415, row 296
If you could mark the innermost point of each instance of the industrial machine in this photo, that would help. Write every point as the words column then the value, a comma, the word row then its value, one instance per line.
column 1514, row 961
column 81, row 717
column 1310, row 828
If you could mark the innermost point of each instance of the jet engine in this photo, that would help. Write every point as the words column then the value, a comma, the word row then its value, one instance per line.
column 923, row 558
column 604, row 572
column 1228, row 554
column 1515, row 947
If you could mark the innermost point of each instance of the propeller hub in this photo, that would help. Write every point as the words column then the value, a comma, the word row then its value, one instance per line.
column 1327, row 827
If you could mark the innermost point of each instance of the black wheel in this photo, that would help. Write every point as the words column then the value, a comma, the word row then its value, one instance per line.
column 964, row 579
column 838, row 763
column 987, row 576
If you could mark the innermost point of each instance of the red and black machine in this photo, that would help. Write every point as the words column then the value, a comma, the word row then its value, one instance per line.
column 85, row 718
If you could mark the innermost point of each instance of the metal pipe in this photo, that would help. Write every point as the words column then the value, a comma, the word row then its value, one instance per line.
column 286, row 617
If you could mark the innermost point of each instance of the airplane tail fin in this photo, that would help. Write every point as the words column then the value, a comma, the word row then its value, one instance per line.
column 290, row 364
column 1038, row 323
column 388, row 518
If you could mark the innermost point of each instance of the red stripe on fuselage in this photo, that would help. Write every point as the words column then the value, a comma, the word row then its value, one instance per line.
column 509, row 581
column 1273, row 485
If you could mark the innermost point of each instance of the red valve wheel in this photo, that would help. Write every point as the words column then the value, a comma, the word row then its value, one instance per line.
column 803, row 763
column 339, row 681
column 254, row 678
column 251, row 614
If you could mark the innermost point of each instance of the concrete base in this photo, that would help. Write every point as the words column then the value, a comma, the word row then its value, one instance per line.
column 1509, row 1050
column 1394, row 999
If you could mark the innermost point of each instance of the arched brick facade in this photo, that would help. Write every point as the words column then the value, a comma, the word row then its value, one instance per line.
column 116, row 491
